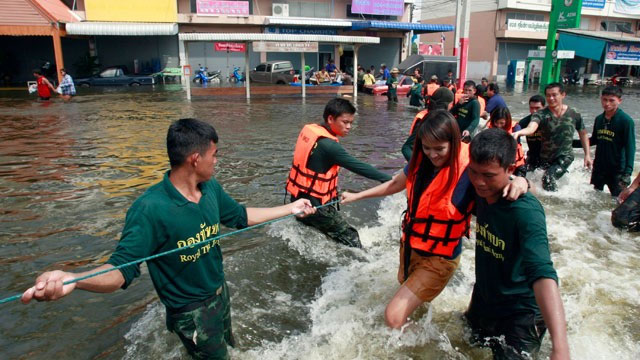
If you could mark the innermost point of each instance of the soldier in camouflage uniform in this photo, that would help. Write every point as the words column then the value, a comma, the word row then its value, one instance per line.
column 556, row 124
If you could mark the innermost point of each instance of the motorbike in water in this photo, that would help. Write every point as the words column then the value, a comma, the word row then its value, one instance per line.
column 236, row 76
column 204, row 76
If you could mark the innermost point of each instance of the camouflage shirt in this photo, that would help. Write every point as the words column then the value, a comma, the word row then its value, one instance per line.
column 557, row 133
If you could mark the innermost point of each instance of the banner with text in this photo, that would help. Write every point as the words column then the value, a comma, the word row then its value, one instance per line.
column 230, row 47
column 623, row 54
column 527, row 25
column 378, row 7
column 275, row 46
column 215, row 8
column 594, row 4
column 631, row 7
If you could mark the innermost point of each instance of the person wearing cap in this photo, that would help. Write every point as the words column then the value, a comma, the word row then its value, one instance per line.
column 392, row 85
column 467, row 110
column 432, row 86
column 441, row 99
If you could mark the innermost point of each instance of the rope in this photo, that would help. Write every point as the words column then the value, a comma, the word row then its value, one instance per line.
column 18, row 296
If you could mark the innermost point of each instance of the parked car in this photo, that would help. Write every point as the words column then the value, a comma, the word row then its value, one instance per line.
column 273, row 72
column 115, row 75
column 404, row 86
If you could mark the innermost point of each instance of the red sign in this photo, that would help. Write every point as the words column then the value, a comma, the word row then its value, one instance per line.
column 431, row 49
column 230, row 47
column 214, row 8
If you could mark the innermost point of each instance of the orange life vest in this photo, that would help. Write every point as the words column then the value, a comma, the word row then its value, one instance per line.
column 431, row 88
column 419, row 117
column 436, row 225
column 520, row 161
column 305, row 181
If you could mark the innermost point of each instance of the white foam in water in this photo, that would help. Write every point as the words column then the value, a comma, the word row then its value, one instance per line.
column 596, row 263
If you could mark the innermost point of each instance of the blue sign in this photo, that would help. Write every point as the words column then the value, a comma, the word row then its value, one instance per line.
column 300, row 31
column 594, row 4
column 623, row 54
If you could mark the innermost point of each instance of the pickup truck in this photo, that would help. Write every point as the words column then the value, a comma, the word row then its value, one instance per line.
column 115, row 75
column 273, row 72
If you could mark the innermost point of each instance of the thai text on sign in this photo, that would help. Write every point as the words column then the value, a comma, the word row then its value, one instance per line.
column 230, row 47
column 274, row 46
column 214, row 8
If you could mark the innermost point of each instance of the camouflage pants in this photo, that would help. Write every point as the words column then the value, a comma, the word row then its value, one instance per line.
column 554, row 171
column 206, row 330
column 332, row 224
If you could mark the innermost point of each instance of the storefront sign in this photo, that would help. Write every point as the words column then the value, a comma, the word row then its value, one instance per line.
column 378, row 7
column 536, row 54
column 230, row 47
column 623, row 54
column 275, row 46
column 568, row 13
column 594, row 4
column 300, row 31
column 527, row 25
column 215, row 8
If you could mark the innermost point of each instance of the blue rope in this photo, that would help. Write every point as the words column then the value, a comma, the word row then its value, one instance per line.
column 18, row 296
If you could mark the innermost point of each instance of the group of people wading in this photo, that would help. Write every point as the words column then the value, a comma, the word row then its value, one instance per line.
column 447, row 181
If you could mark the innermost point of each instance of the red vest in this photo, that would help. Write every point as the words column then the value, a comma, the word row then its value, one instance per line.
column 431, row 88
column 419, row 117
column 43, row 89
column 305, row 181
column 436, row 225
column 520, row 161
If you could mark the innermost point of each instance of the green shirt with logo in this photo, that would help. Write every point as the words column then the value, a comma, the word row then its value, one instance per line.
column 512, row 252
column 467, row 114
column 557, row 133
column 533, row 141
column 616, row 144
column 161, row 220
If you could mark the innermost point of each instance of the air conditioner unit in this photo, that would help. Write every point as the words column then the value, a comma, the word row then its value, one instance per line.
column 281, row 10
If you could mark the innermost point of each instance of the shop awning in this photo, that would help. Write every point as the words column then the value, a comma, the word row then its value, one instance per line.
column 418, row 28
column 245, row 37
column 307, row 22
column 121, row 28
column 584, row 46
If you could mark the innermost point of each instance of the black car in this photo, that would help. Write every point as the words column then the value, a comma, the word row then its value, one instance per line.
column 115, row 75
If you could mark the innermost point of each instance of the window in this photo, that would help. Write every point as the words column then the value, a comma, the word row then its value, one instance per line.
column 351, row 15
column 585, row 23
column 269, row 68
column 307, row 8
column 261, row 67
column 616, row 26
column 109, row 73
column 524, row 16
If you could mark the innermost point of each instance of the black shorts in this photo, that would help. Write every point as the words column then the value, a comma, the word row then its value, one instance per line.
column 516, row 336
column 615, row 182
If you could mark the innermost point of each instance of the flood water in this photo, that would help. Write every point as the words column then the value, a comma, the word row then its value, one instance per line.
column 69, row 172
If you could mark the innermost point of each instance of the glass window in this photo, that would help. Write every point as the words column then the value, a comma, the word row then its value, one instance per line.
column 261, row 67
column 109, row 73
column 616, row 26
column 585, row 24
column 524, row 16
column 269, row 68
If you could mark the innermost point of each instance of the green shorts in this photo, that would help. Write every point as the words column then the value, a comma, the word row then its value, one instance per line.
column 206, row 330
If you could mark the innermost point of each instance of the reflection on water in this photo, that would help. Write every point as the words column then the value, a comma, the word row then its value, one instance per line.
column 68, row 172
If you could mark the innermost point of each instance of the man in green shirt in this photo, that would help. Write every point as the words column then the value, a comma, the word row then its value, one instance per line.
column 467, row 110
column 327, row 156
column 186, row 208
column 515, row 297
column 392, row 85
column 416, row 93
column 556, row 123
column 536, row 103
column 615, row 139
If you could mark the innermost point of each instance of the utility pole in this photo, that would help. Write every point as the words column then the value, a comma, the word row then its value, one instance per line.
column 456, row 40
column 464, row 42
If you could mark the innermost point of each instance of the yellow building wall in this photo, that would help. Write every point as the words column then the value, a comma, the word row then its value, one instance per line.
column 132, row 10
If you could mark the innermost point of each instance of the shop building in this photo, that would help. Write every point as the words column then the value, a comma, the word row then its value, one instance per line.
column 505, row 30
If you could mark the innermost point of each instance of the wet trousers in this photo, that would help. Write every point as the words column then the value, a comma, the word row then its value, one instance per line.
column 329, row 221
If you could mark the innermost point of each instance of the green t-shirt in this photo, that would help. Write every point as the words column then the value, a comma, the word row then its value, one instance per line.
column 467, row 114
column 616, row 144
column 161, row 220
column 416, row 95
column 534, row 141
column 390, row 88
column 327, row 152
column 557, row 133
column 512, row 252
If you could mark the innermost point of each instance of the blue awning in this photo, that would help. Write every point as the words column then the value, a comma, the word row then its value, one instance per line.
column 405, row 26
column 584, row 46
